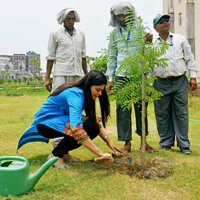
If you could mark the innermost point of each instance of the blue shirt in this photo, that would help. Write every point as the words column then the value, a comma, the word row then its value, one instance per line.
column 57, row 112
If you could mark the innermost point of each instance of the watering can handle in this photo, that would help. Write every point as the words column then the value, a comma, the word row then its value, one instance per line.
column 18, row 158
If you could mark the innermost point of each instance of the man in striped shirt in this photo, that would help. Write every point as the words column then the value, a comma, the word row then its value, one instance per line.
column 123, row 42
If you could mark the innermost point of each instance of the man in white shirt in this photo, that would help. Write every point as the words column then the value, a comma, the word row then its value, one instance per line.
column 66, row 51
column 172, row 109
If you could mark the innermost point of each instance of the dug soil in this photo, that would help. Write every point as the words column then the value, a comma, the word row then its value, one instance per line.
column 156, row 168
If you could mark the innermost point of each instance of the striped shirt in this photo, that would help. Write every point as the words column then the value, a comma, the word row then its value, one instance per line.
column 120, row 45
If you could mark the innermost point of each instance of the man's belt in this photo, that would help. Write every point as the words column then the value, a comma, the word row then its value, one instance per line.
column 171, row 78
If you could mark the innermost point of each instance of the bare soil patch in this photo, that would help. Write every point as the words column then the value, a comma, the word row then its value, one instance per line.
column 156, row 168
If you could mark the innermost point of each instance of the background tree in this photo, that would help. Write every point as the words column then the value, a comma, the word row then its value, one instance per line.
column 5, row 73
column 37, row 69
column 100, row 63
column 37, row 64
column 2, row 74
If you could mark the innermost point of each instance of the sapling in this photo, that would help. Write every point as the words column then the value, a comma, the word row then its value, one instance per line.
column 138, row 68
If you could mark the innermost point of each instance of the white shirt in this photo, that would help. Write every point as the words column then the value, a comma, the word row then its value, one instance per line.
column 67, row 52
column 180, row 58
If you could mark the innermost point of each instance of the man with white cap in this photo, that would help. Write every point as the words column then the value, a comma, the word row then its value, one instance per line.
column 67, row 52
column 121, row 41
column 172, row 109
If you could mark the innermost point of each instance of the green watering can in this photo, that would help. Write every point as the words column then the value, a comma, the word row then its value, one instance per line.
column 15, row 176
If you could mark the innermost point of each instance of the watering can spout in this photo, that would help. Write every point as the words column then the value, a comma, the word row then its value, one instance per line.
column 34, row 177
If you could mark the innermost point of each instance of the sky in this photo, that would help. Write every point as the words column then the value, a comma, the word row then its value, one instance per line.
column 27, row 24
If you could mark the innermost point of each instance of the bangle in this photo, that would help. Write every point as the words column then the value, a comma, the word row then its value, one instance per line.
column 105, row 137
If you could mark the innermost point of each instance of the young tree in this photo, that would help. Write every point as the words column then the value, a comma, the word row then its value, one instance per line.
column 138, row 67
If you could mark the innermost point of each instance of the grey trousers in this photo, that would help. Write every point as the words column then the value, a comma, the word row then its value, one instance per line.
column 124, row 120
column 60, row 80
column 171, row 111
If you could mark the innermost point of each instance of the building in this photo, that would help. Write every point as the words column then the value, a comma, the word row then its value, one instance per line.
column 20, row 65
column 9, row 71
column 18, row 61
column 184, row 20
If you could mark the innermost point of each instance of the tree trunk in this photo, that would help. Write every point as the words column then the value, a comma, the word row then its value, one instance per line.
column 143, row 145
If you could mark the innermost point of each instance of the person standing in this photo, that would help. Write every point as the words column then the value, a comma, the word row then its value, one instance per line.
column 117, row 52
column 171, row 110
column 67, row 52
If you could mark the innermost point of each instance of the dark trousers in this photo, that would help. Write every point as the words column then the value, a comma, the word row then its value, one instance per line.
column 124, row 120
column 172, row 111
column 68, row 143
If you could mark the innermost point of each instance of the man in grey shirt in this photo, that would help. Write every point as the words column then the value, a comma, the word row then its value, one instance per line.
column 172, row 109
column 66, row 51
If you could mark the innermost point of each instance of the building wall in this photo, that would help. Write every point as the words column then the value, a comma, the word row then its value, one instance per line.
column 197, row 35
column 180, row 8
column 168, row 8
column 4, row 62
column 19, row 61
column 19, row 65
column 190, row 27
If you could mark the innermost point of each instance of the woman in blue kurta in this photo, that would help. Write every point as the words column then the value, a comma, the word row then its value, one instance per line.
column 61, row 116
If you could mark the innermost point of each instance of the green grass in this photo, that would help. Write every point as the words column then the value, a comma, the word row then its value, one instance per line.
column 87, row 180
column 21, row 90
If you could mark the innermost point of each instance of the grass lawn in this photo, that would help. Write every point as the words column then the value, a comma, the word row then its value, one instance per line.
column 87, row 180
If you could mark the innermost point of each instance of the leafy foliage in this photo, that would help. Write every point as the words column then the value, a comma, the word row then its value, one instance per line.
column 100, row 63
column 129, row 91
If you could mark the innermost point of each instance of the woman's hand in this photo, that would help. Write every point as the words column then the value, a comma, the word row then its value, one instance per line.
column 106, row 157
column 113, row 148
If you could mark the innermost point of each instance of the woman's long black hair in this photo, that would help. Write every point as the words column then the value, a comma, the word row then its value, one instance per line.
column 94, row 77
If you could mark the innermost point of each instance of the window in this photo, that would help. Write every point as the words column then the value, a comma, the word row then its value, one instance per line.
column 180, row 19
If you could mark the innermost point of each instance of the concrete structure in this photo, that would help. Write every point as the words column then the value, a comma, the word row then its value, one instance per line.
column 8, row 71
column 19, row 65
column 185, row 20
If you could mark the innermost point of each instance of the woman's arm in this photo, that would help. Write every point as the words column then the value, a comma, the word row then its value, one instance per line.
column 105, row 138
column 93, row 148
column 103, row 135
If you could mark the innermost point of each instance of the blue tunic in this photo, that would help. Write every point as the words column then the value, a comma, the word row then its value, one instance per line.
column 56, row 112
